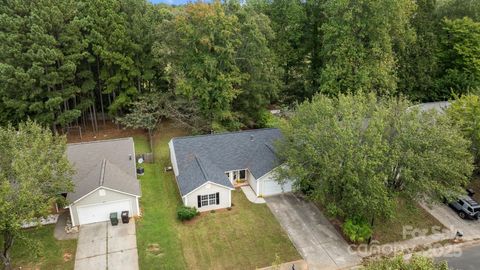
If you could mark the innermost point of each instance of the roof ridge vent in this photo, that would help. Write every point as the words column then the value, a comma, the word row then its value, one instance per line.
column 201, row 168
column 102, row 173
column 270, row 148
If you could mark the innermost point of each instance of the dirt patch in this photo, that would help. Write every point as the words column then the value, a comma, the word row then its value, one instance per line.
column 67, row 256
column 154, row 249
column 105, row 132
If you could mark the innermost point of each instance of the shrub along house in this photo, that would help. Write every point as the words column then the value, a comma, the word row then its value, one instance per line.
column 206, row 167
column 105, row 180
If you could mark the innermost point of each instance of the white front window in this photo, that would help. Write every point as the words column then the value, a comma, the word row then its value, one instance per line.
column 204, row 200
column 210, row 199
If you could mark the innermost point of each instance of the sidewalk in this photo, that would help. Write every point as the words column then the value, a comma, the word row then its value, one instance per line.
column 248, row 191
column 295, row 265
column 449, row 219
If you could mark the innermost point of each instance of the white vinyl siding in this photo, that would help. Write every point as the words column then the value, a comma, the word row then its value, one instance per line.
column 173, row 158
column 253, row 182
column 206, row 190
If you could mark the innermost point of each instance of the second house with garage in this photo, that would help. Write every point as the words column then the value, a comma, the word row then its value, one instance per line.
column 105, row 180
column 207, row 167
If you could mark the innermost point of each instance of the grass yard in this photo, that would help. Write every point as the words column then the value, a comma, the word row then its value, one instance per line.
column 141, row 144
column 53, row 254
column 249, row 236
column 405, row 215
column 158, row 241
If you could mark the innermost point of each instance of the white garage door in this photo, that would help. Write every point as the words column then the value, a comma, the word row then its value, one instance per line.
column 271, row 187
column 101, row 212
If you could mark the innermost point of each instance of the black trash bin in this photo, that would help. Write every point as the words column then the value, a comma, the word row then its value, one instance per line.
column 114, row 218
column 125, row 217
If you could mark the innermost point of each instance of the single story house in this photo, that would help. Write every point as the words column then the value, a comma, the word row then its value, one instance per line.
column 206, row 167
column 105, row 180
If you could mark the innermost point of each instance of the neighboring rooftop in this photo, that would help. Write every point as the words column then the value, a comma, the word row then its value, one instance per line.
column 109, row 163
column 207, row 157
column 440, row 106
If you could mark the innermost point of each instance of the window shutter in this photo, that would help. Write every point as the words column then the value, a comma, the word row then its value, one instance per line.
column 218, row 198
column 199, row 201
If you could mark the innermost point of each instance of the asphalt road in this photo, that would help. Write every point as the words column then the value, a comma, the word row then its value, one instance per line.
column 469, row 259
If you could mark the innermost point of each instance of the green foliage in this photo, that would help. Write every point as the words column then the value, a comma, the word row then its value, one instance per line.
column 460, row 55
column 59, row 56
column 398, row 263
column 357, row 230
column 186, row 213
column 221, row 64
column 34, row 170
column 218, row 57
column 359, row 152
column 358, row 44
column 465, row 112
column 417, row 63
column 146, row 112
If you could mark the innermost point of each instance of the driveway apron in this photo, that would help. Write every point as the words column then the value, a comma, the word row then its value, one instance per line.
column 312, row 234
column 103, row 246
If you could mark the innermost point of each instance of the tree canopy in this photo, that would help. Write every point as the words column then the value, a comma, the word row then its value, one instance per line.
column 357, row 153
column 82, row 63
column 399, row 263
column 465, row 113
column 34, row 171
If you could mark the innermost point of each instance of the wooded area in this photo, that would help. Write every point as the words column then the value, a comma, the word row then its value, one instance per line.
column 219, row 66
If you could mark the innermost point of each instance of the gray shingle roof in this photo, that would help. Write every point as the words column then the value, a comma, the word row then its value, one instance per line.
column 207, row 157
column 109, row 163
column 440, row 106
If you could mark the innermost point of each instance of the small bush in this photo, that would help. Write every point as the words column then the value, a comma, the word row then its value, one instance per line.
column 212, row 211
column 186, row 213
column 333, row 211
column 357, row 230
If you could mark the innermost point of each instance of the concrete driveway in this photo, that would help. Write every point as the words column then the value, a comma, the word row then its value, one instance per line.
column 312, row 234
column 451, row 220
column 103, row 246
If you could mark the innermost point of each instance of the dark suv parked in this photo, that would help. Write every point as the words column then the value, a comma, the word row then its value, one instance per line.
column 466, row 207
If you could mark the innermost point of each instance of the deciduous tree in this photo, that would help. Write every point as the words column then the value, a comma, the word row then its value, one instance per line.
column 34, row 171
column 465, row 112
column 356, row 153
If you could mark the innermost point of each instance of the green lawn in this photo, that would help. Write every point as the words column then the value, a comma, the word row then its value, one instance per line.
column 141, row 144
column 158, row 241
column 405, row 215
column 246, row 237
column 53, row 254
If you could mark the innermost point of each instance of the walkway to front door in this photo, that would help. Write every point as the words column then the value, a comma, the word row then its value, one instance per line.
column 101, row 245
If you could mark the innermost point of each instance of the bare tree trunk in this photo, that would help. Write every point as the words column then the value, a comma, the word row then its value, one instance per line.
column 100, row 91
column 91, row 119
column 75, row 105
column 150, row 138
column 94, row 113
column 5, row 255
column 113, row 98
column 84, row 122
column 101, row 104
